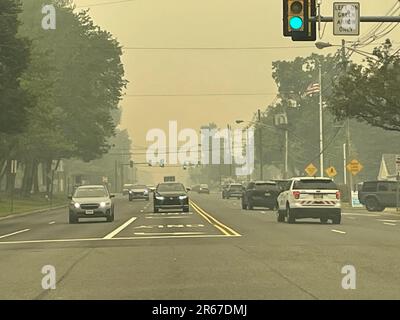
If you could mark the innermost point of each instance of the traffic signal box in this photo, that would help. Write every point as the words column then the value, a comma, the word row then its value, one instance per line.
column 297, row 20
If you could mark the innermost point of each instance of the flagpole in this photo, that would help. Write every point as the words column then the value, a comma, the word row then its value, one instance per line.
column 321, row 129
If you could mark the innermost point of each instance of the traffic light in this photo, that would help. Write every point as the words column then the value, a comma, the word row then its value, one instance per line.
column 131, row 164
column 297, row 20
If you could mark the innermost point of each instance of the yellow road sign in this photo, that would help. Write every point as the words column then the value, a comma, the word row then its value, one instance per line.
column 354, row 167
column 311, row 170
column 331, row 172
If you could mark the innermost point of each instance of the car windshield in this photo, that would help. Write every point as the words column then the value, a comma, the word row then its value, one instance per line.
column 236, row 187
column 314, row 185
column 171, row 187
column 90, row 193
column 139, row 186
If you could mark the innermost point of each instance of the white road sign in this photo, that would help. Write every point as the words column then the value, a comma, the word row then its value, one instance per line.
column 346, row 19
column 398, row 164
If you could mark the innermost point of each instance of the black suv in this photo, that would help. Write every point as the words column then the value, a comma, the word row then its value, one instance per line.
column 378, row 195
column 171, row 195
column 260, row 194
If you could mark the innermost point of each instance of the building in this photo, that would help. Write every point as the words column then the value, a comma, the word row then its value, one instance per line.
column 388, row 168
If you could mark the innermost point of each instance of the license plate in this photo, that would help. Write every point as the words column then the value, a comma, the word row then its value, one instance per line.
column 89, row 211
column 318, row 196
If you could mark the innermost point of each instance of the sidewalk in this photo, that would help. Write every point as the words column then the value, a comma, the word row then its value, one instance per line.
column 22, row 214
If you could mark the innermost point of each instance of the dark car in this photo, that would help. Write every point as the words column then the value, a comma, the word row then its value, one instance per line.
column 378, row 195
column 234, row 190
column 260, row 194
column 91, row 202
column 171, row 195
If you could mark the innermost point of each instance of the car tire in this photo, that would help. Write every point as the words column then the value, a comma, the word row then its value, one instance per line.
column 110, row 218
column 281, row 216
column 324, row 220
column 73, row 218
column 337, row 220
column 290, row 215
column 372, row 204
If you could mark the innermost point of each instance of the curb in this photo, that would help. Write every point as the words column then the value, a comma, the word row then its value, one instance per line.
column 22, row 214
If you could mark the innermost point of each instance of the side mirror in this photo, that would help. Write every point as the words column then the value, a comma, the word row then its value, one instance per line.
column 188, row 189
column 69, row 197
column 112, row 195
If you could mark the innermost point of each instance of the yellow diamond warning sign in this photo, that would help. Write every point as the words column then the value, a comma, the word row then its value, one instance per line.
column 331, row 172
column 354, row 167
column 311, row 170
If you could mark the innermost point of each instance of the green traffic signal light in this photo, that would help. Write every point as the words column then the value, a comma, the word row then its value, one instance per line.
column 296, row 23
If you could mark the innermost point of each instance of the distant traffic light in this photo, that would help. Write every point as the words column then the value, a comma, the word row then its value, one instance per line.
column 131, row 164
column 297, row 20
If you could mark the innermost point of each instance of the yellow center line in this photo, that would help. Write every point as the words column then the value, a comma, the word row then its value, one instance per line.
column 219, row 225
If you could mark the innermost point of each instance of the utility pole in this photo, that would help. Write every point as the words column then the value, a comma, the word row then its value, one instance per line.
column 321, row 128
column 230, row 149
column 286, row 152
column 116, row 176
column 348, row 133
column 260, row 145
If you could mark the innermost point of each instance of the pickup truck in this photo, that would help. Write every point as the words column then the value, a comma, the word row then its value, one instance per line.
column 378, row 195
column 260, row 194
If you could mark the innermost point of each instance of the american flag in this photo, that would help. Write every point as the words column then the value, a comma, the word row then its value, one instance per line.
column 312, row 88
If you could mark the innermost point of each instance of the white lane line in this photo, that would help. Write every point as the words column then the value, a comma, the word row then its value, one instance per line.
column 389, row 224
column 360, row 214
column 116, row 239
column 120, row 228
column 52, row 222
column 164, row 217
column 338, row 231
column 167, row 233
column 11, row 234
column 392, row 221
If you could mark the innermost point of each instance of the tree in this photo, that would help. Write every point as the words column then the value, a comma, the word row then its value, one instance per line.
column 370, row 92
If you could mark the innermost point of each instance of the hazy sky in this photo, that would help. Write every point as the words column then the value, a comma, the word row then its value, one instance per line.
column 206, row 23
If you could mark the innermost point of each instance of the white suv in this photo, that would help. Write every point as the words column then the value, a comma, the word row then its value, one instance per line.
column 316, row 198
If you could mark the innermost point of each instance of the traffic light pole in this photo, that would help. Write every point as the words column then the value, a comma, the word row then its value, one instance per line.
column 321, row 124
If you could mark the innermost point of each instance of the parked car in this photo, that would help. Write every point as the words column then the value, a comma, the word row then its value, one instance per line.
column 316, row 198
column 139, row 191
column 91, row 201
column 378, row 195
column 260, row 194
column 234, row 190
column 171, row 195
column 204, row 189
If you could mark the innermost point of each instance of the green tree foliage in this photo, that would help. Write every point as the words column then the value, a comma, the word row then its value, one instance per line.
column 369, row 92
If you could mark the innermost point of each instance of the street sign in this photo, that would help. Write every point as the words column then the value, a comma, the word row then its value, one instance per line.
column 354, row 167
column 355, row 201
column 346, row 18
column 311, row 170
column 281, row 119
column 105, row 179
column 331, row 172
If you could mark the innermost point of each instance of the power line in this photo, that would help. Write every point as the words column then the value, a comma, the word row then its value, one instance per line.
column 104, row 3
column 202, row 94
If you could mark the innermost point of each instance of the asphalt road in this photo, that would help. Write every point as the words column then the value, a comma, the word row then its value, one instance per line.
column 216, row 251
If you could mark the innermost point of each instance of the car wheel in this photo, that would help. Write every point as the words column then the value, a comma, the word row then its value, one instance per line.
column 372, row 204
column 324, row 220
column 110, row 218
column 281, row 216
column 337, row 220
column 72, row 218
column 290, row 215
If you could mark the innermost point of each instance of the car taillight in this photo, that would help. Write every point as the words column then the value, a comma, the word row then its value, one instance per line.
column 338, row 195
column 296, row 194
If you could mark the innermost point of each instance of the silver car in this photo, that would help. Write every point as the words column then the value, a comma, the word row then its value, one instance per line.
column 91, row 202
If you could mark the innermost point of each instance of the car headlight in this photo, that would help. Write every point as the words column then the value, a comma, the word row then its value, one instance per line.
column 145, row 192
column 104, row 204
column 130, row 191
column 160, row 198
column 77, row 205
column 182, row 197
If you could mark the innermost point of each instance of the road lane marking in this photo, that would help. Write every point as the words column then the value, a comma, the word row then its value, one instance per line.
column 360, row 214
column 219, row 225
column 338, row 231
column 163, row 217
column 167, row 233
column 13, row 233
column 389, row 224
column 52, row 222
column 120, row 228
column 392, row 221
